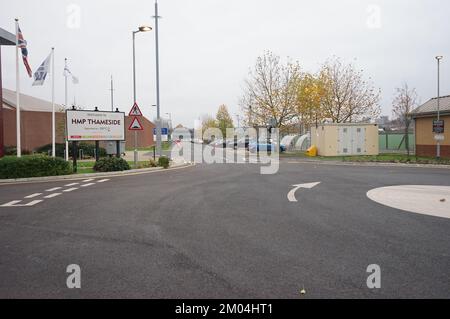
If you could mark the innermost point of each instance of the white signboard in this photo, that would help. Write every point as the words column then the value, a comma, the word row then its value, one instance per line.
column 95, row 126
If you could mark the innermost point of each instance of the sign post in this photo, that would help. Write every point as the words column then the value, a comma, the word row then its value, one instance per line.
column 438, row 129
column 135, row 126
column 93, row 126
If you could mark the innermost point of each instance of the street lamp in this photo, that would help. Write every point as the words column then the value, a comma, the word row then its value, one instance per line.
column 438, row 144
column 140, row 29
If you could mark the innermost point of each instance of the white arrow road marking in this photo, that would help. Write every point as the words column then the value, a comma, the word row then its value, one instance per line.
column 52, row 189
column 291, row 194
column 70, row 189
column 52, row 195
column 33, row 195
column 86, row 185
column 103, row 180
column 15, row 203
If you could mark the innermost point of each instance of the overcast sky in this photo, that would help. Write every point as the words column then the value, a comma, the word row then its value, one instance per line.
column 208, row 46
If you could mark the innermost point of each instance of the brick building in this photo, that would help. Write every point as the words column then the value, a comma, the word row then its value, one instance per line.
column 36, row 123
column 423, row 117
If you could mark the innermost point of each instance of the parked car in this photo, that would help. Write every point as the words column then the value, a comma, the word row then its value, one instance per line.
column 265, row 146
column 218, row 143
column 239, row 143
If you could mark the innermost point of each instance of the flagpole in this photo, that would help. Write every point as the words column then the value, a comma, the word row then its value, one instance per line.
column 53, row 103
column 66, row 151
column 18, row 144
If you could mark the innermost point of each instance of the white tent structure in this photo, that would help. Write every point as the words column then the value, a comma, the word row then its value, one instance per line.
column 296, row 142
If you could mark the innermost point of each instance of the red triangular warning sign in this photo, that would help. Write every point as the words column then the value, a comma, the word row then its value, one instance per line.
column 135, row 125
column 135, row 111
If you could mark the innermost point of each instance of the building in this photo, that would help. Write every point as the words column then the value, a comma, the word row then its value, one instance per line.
column 36, row 123
column 425, row 137
column 345, row 139
column 6, row 39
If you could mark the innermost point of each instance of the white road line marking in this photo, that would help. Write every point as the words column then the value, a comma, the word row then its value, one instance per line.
column 52, row 195
column 70, row 189
column 86, row 185
column 33, row 195
column 37, row 201
column 88, row 180
column 103, row 180
column 71, row 184
column 53, row 189
column 14, row 203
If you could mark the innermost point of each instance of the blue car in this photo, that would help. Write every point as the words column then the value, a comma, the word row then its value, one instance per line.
column 264, row 146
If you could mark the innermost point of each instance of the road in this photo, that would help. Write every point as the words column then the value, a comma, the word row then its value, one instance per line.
column 224, row 231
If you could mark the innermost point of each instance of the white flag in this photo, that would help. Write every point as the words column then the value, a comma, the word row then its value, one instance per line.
column 68, row 73
column 41, row 73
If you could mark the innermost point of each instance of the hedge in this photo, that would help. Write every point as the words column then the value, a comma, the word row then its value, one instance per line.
column 12, row 150
column 33, row 166
column 88, row 149
column 163, row 161
column 111, row 164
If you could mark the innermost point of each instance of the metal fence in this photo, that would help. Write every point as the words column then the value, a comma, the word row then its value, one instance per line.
column 396, row 142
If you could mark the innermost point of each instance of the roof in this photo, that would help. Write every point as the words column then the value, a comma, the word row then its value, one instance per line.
column 28, row 103
column 430, row 107
column 7, row 38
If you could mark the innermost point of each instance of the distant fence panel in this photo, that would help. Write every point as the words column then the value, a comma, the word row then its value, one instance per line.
column 396, row 142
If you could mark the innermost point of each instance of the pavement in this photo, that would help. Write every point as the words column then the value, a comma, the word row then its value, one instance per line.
column 224, row 231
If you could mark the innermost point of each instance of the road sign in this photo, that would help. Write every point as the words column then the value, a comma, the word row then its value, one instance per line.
column 135, row 111
column 135, row 125
column 164, row 131
column 439, row 137
column 95, row 126
column 438, row 126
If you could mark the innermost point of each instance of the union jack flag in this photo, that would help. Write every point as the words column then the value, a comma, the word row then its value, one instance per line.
column 22, row 44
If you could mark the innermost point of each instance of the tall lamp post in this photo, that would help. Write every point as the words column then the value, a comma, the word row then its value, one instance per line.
column 438, row 144
column 158, row 117
column 140, row 29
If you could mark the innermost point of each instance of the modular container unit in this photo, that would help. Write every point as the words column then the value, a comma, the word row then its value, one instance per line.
column 345, row 139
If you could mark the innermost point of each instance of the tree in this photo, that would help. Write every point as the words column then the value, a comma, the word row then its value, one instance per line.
column 310, row 92
column 348, row 97
column 208, row 122
column 271, row 91
column 405, row 101
column 223, row 119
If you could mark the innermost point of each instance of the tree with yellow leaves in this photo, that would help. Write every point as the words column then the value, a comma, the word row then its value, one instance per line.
column 271, row 92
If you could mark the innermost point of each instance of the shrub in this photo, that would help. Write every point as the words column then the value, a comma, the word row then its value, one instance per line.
column 12, row 150
column 33, row 166
column 163, row 161
column 47, row 149
column 88, row 149
column 111, row 164
column 153, row 163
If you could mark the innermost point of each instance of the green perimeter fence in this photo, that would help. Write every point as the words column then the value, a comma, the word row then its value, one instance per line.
column 396, row 142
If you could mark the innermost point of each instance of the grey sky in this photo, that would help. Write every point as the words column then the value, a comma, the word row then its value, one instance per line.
column 207, row 46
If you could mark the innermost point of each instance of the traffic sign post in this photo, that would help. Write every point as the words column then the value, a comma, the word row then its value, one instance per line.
column 135, row 126
column 135, row 111
column 438, row 126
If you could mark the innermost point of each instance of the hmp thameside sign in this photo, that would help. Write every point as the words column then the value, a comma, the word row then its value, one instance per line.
column 95, row 126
